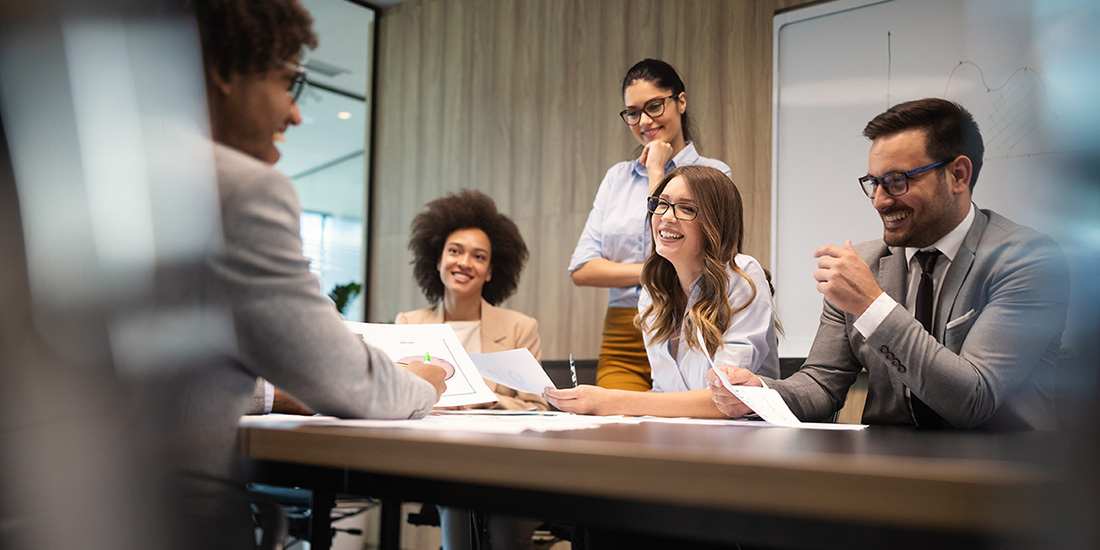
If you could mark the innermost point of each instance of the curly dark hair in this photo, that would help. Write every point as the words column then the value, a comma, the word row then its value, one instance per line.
column 251, row 36
column 466, row 209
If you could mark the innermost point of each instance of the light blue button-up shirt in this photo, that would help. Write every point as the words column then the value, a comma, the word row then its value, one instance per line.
column 616, row 228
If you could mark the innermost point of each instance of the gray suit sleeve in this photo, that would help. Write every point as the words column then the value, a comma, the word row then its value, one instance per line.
column 256, row 404
column 286, row 331
column 819, row 388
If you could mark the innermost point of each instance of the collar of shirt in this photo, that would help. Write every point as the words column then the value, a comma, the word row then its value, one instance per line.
column 949, row 244
column 687, row 155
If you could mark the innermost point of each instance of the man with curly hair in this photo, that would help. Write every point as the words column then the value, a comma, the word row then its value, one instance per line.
column 286, row 331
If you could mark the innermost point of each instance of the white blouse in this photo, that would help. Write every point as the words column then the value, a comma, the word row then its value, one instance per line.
column 749, row 342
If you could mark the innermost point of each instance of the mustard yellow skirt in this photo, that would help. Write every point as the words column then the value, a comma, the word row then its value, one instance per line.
column 623, row 364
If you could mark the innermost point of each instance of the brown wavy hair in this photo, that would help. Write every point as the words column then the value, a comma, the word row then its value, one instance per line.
column 466, row 209
column 722, row 223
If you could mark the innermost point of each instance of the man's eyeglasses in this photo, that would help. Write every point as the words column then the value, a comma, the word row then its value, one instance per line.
column 895, row 184
column 294, row 90
column 681, row 210
column 654, row 108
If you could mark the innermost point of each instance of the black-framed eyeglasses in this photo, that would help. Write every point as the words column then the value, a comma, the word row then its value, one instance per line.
column 895, row 184
column 654, row 108
column 685, row 211
column 294, row 90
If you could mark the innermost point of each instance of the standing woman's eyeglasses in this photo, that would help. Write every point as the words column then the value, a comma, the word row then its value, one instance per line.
column 654, row 108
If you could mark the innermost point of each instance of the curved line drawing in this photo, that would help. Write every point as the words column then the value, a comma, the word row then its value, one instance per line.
column 981, row 73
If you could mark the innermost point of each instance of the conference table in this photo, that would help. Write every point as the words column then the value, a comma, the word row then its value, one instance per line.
column 882, row 487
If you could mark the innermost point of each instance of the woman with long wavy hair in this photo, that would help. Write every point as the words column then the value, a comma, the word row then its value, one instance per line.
column 612, row 248
column 702, row 302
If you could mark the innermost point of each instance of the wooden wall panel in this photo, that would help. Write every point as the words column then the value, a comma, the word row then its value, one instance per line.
column 519, row 99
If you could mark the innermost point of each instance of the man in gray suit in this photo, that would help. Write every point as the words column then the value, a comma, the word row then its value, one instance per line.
column 285, row 330
column 956, row 313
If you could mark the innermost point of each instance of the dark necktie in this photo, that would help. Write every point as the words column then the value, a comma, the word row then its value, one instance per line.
column 926, row 417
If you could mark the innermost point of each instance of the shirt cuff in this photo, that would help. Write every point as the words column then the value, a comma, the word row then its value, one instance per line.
column 876, row 313
column 269, row 396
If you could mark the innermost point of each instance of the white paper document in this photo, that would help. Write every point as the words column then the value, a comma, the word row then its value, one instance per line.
column 515, row 368
column 435, row 344
column 767, row 403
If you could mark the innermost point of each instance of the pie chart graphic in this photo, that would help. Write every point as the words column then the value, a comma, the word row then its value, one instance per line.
column 447, row 366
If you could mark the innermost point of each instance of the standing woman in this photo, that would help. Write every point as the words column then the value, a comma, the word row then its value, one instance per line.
column 615, row 240
column 468, row 258
column 702, row 302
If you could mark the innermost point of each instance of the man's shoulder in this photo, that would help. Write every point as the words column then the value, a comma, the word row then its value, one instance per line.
column 241, row 175
column 1009, row 246
column 236, row 167
column 1000, row 229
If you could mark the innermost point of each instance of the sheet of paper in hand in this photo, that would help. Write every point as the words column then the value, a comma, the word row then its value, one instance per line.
column 435, row 344
column 515, row 368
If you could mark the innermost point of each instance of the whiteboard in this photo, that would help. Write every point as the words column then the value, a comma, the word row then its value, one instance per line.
column 839, row 64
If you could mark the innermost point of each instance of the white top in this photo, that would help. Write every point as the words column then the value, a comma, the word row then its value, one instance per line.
column 469, row 333
column 749, row 341
column 616, row 228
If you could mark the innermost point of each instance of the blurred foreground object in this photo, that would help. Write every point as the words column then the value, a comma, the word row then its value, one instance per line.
column 107, row 207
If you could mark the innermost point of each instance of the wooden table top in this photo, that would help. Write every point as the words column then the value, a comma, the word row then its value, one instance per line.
column 891, row 476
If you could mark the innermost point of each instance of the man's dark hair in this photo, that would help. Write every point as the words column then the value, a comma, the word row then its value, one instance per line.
column 466, row 209
column 950, row 129
column 251, row 36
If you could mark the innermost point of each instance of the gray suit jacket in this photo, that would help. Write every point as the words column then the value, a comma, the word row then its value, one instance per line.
column 286, row 331
column 989, row 362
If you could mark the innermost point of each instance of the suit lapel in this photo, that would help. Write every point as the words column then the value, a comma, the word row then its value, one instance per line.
column 957, row 274
column 492, row 329
column 892, row 271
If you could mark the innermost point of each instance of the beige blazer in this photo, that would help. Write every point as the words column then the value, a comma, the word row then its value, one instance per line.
column 501, row 330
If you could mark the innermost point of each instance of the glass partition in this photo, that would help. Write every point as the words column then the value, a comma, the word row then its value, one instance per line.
column 328, row 155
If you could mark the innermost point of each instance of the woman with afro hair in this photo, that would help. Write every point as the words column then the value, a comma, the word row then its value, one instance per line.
column 467, row 259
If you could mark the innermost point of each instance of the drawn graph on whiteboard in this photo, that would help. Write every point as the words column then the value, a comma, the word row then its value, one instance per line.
column 1011, row 112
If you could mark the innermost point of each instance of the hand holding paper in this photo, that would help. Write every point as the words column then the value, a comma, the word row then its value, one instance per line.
column 720, row 379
